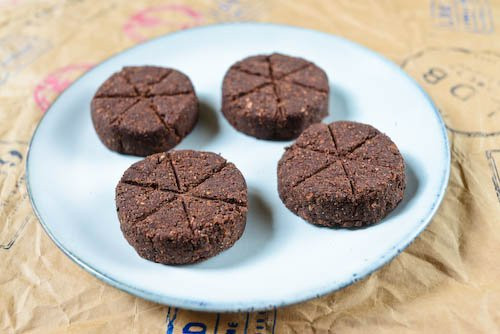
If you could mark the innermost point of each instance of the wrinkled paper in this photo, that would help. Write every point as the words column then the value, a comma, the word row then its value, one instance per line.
column 446, row 281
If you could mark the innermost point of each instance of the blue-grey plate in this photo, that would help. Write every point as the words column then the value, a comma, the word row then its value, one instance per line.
column 280, row 259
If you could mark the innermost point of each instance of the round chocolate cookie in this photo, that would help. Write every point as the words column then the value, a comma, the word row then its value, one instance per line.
column 182, row 207
column 144, row 110
column 341, row 174
column 274, row 97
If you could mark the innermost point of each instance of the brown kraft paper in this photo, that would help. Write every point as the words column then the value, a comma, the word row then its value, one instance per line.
column 447, row 280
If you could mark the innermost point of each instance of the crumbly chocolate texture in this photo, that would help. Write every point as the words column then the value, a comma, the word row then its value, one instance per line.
column 274, row 97
column 342, row 174
column 182, row 206
column 144, row 110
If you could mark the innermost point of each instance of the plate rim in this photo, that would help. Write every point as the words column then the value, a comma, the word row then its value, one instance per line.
column 192, row 304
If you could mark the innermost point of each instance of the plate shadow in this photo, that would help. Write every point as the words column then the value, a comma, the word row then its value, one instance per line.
column 339, row 107
column 206, row 128
column 258, row 232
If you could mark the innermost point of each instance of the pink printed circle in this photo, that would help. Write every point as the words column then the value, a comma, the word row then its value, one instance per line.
column 146, row 22
column 53, row 84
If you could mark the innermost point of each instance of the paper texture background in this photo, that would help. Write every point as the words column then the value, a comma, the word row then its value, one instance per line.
column 447, row 281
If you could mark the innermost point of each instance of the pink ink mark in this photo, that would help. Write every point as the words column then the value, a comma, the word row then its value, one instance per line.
column 9, row 2
column 56, row 82
column 173, row 17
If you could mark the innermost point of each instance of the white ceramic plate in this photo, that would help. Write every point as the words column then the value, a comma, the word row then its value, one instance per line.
column 280, row 259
